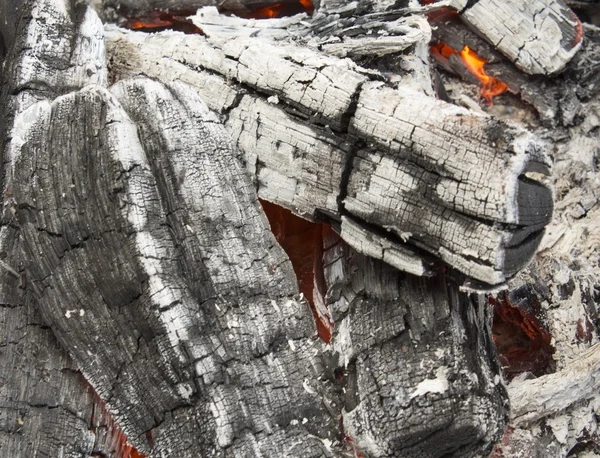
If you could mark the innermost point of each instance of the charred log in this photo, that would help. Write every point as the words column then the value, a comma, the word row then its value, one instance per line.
column 131, row 218
column 359, row 124
column 412, row 351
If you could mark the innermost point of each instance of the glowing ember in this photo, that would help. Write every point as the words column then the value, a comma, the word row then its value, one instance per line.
column 521, row 340
column 267, row 12
column 442, row 49
column 579, row 34
column 303, row 242
column 277, row 10
column 308, row 5
column 157, row 21
column 490, row 86
column 100, row 417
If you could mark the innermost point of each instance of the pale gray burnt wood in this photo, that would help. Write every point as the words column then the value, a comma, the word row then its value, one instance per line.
column 189, row 319
column 157, row 272
column 46, row 409
column 323, row 138
column 182, row 317
column 118, row 9
column 418, row 367
column 539, row 36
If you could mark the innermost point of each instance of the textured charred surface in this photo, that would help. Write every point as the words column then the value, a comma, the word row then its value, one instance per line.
column 416, row 361
column 194, row 300
column 539, row 36
column 156, row 271
column 45, row 407
column 557, row 99
column 145, row 250
column 385, row 155
column 117, row 9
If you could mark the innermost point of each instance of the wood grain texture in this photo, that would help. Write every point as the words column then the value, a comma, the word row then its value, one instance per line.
column 131, row 214
column 46, row 409
column 192, row 306
column 187, row 317
column 415, row 353
column 539, row 36
column 391, row 156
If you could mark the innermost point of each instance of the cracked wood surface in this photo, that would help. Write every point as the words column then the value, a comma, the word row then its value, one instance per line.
column 195, row 304
column 415, row 352
column 143, row 244
column 46, row 409
column 539, row 36
column 389, row 156
column 182, row 315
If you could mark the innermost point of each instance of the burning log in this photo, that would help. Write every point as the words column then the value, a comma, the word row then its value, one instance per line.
column 45, row 405
column 359, row 124
column 553, row 98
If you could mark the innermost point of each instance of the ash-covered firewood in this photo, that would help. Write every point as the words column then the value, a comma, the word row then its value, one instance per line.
column 45, row 407
column 155, row 270
column 417, row 368
column 139, row 236
column 577, row 383
column 539, row 36
column 192, row 298
column 323, row 138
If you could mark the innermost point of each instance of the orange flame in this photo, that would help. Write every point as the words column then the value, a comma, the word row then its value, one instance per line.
column 490, row 86
column 160, row 20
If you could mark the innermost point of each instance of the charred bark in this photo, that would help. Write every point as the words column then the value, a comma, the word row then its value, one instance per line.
column 370, row 137
column 167, row 268
column 419, row 376
column 131, row 221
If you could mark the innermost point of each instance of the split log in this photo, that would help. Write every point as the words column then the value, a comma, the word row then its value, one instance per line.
column 178, row 347
column 46, row 409
column 578, row 382
column 437, row 196
column 157, row 297
column 508, row 25
column 133, row 238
